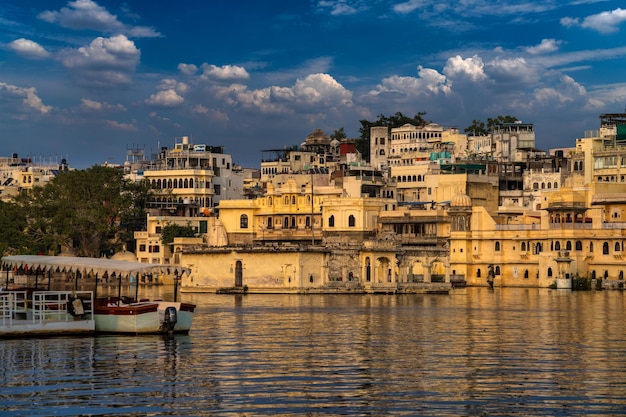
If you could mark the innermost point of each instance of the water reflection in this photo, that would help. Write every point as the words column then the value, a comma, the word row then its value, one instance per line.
column 475, row 352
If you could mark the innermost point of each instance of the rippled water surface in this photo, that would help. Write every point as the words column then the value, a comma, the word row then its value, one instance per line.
column 476, row 352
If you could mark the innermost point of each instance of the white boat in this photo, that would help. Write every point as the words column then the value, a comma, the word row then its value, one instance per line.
column 119, row 315
column 143, row 317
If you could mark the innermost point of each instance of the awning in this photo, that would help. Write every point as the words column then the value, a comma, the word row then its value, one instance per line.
column 100, row 266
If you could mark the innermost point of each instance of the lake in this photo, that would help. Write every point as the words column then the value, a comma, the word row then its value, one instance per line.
column 475, row 352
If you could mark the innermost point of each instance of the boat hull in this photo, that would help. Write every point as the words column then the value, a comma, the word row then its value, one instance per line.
column 142, row 318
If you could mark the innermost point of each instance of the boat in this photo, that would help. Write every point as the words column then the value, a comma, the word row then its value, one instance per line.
column 118, row 315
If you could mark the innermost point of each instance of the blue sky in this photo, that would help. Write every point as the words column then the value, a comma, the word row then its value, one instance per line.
column 85, row 80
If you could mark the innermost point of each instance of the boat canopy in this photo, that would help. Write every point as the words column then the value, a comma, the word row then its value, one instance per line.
column 100, row 266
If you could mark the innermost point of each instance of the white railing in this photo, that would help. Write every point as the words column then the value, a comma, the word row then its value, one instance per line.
column 52, row 305
column 16, row 307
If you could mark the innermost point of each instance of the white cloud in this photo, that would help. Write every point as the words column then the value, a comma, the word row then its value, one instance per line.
column 211, row 113
column 27, row 94
column 472, row 68
column 187, row 69
column 224, row 73
column 408, row 6
column 88, row 15
column 121, row 126
column 428, row 82
column 105, row 61
column 28, row 49
column 546, row 46
column 605, row 22
column 507, row 70
column 92, row 105
column 311, row 92
column 171, row 84
column 342, row 7
column 165, row 98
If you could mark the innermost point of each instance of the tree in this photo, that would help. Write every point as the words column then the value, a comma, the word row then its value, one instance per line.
column 91, row 212
column 338, row 134
column 477, row 128
column 396, row 120
column 172, row 230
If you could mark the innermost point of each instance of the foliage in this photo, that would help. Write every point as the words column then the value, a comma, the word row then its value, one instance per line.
column 89, row 211
column 477, row 128
column 12, row 224
column 172, row 230
column 396, row 120
column 338, row 134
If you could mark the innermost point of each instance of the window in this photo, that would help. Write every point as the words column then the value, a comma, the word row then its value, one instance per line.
column 351, row 221
column 605, row 248
column 307, row 222
column 549, row 272
column 286, row 222
column 568, row 245
column 331, row 221
column 617, row 247
column 270, row 223
column 142, row 248
column 523, row 247
column 579, row 245
column 293, row 199
column 591, row 247
column 293, row 222
column 243, row 221
column 478, row 273
column 526, row 273
column 498, row 270
column 497, row 247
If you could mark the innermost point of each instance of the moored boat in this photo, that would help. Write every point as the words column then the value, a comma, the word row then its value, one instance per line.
column 120, row 315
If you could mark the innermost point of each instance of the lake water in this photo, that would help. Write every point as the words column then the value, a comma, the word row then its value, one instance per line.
column 475, row 352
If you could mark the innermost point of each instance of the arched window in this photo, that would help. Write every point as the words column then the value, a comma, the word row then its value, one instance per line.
column 556, row 185
column 605, row 248
column 497, row 246
column 270, row 201
column 286, row 222
column 526, row 273
column 351, row 221
column 382, row 152
column 591, row 247
column 568, row 245
column 286, row 200
column 557, row 245
column 523, row 246
column 549, row 272
column 243, row 221
column 617, row 247
column 270, row 223
column 331, row 221
column 579, row 245
column 307, row 221
column 293, row 199
column 535, row 185
column 498, row 270
column 293, row 222
column 478, row 273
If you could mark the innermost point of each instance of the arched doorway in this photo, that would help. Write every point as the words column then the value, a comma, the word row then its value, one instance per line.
column 238, row 274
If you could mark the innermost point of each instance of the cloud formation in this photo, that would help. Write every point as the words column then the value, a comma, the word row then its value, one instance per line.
column 88, row 15
column 604, row 22
column 28, row 49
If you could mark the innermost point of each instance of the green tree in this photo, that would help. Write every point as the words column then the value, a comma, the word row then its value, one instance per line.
column 13, row 222
column 477, row 128
column 172, row 230
column 92, row 211
column 338, row 134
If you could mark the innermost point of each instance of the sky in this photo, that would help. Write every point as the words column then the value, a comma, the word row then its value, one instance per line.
column 87, row 80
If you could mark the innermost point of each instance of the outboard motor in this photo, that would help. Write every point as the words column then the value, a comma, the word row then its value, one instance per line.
column 170, row 318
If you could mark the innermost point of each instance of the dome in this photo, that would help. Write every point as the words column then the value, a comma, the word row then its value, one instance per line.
column 124, row 256
column 461, row 200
